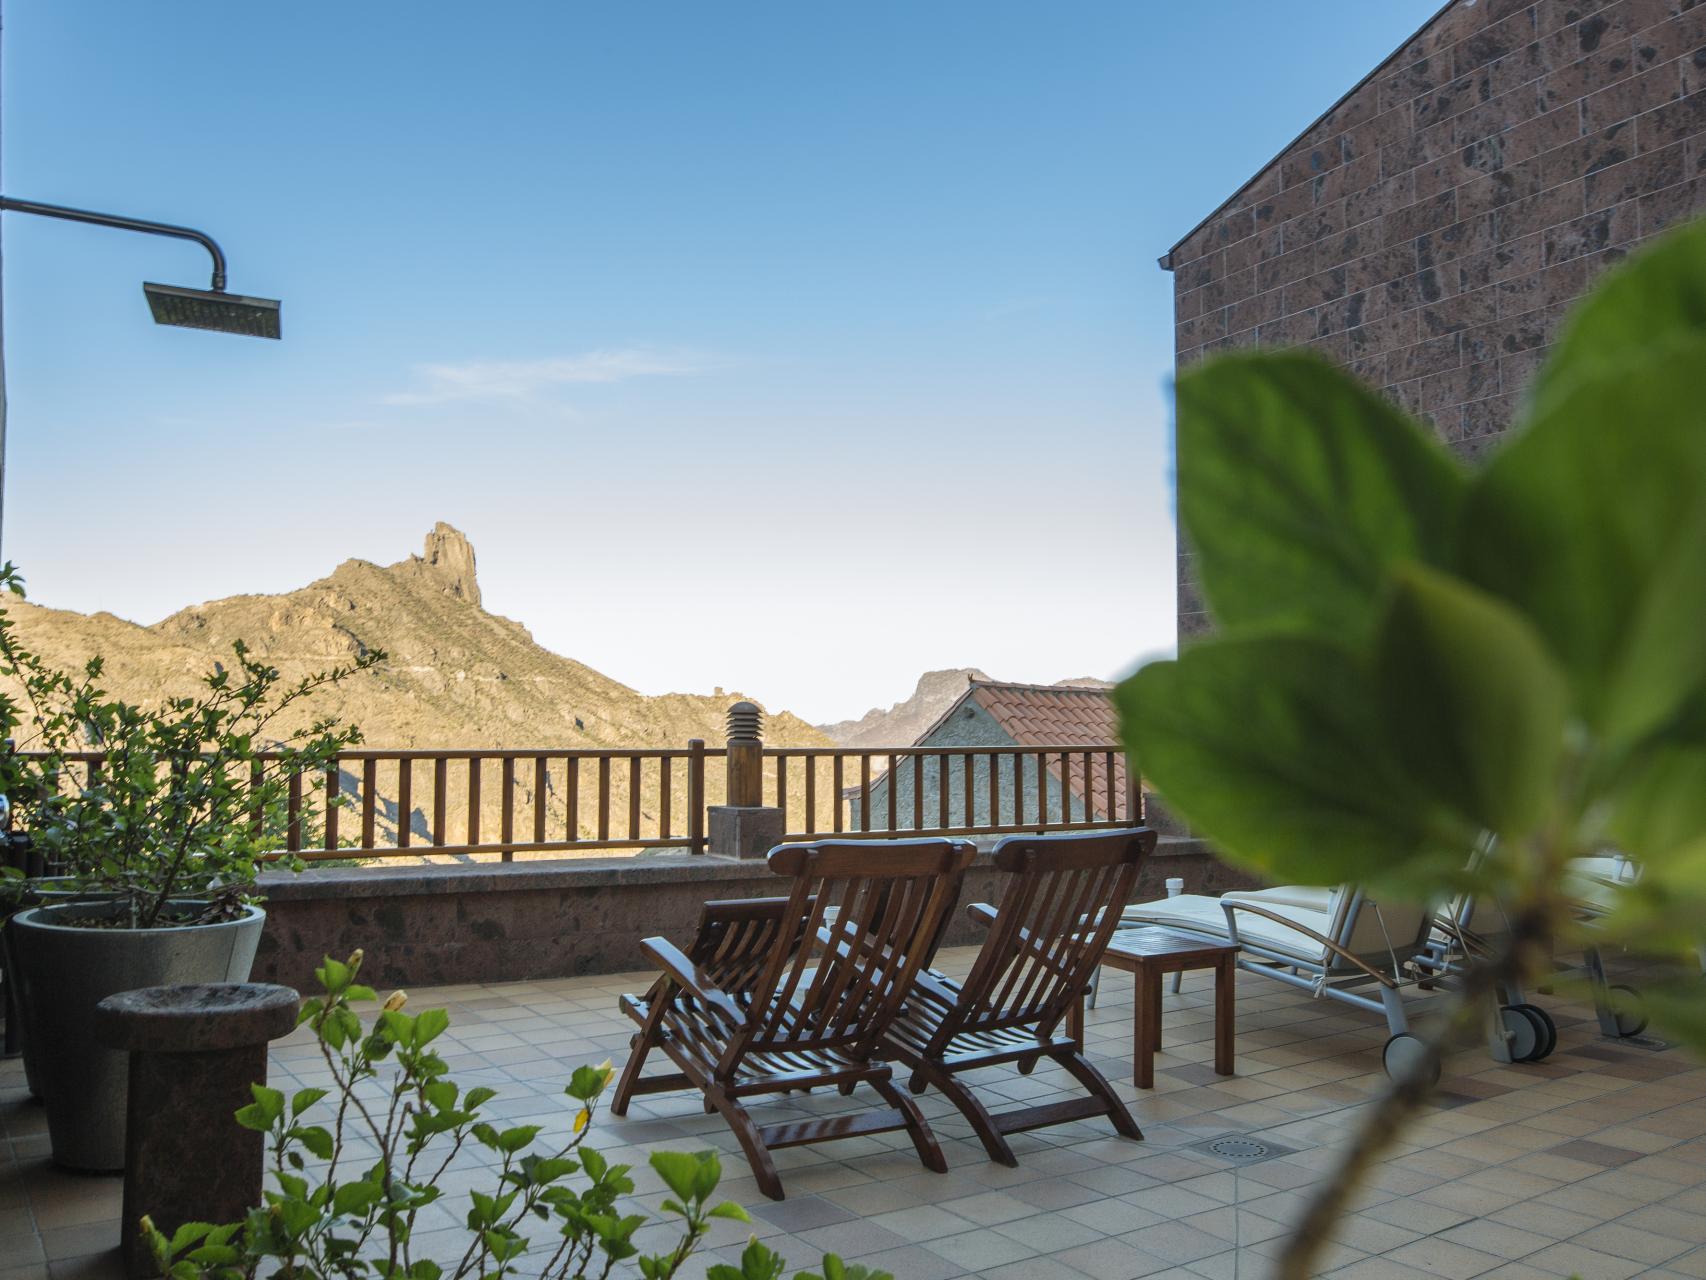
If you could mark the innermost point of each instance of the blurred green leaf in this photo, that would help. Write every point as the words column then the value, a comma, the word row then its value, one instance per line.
column 1593, row 523
column 1656, row 298
column 1472, row 701
column 1273, row 748
column 1660, row 803
column 1299, row 487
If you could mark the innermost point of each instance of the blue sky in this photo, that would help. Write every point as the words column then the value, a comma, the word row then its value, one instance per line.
column 790, row 348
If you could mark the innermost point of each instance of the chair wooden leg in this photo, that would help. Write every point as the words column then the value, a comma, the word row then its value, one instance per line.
column 746, row 1133
column 1094, row 1081
column 638, row 1048
column 929, row 1150
column 982, row 1123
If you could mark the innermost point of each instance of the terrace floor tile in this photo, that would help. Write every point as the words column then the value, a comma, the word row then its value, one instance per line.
column 1591, row 1163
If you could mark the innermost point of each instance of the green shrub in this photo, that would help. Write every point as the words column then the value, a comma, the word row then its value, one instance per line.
column 324, row 1218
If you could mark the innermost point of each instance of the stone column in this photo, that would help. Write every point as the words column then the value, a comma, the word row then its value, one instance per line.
column 194, row 1052
column 745, row 827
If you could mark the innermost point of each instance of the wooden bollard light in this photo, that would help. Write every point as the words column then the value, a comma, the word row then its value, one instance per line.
column 745, row 827
column 194, row 1052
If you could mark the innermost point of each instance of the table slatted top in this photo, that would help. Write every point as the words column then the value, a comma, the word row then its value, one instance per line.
column 1152, row 942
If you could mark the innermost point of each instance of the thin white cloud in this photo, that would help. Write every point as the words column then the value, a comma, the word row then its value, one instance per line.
column 525, row 379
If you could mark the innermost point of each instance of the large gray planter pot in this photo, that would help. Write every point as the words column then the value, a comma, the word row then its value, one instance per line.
column 47, row 891
column 65, row 971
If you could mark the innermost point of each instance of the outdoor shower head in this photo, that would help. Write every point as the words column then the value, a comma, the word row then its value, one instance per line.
column 213, row 309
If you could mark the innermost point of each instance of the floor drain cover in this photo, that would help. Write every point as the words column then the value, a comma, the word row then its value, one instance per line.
column 1242, row 1150
column 1646, row 1042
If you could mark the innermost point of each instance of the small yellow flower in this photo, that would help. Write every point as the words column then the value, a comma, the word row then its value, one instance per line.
column 582, row 1117
column 147, row 1224
column 395, row 1001
column 355, row 958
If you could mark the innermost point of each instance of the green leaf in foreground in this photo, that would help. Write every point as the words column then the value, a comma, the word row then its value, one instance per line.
column 1272, row 748
column 1472, row 701
column 1299, row 488
column 1593, row 523
column 1657, row 298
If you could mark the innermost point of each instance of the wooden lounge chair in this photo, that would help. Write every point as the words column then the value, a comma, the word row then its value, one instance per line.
column 793, row 993
column 1057, row 913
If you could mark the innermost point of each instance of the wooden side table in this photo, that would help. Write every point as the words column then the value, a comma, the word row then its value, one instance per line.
column 1148, row 952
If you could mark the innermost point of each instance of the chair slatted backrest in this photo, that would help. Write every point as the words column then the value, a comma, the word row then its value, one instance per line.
column 736, row 941
column 1061, row 905
column 861, row 920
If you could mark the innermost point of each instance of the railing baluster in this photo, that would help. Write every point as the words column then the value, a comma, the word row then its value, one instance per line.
column 369, row 800
column 1018, row 790
column 293, row 814
column 918, row 791
column 633, row 797
column 257, row 817
column 994, row 790
column 506, row 819
column 604, row 797
column 405, row 802
column 1108, row 786
column 1088, row 809
column 541, row 788
column 967, row 801
column 573, row 788
column 666, row 784
column 942, row 789
column 696, row 794
column 894, row 778
column 782, row 789
column 835, row 770
column 1042, row 789
column 333, row 783
column 864, row 791
column 473, row 799
column 811, row 795
column 440, row 789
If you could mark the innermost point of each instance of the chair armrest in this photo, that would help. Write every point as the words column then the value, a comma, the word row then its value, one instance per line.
column 669, row 958
column 1306, row 931
column 980, row 913
column 936, row 987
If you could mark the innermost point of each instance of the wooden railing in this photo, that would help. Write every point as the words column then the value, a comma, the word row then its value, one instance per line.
column 484, row 804
column 951, row 790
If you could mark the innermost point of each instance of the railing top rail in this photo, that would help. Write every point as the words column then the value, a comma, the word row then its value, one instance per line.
column 453, row 753
column 1053, row 749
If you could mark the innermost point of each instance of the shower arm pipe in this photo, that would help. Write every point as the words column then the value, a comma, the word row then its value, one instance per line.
column 126, row 224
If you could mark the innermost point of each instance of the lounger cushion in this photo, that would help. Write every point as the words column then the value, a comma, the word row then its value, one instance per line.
column 1307, row 896
column 1200, row 914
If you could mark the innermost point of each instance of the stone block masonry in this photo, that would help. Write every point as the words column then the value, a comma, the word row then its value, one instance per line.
column 1431, row 230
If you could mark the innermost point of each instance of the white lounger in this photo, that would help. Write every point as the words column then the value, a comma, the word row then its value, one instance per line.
column 1328, row 942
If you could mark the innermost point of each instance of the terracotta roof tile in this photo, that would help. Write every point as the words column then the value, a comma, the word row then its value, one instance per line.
column 1060, row 716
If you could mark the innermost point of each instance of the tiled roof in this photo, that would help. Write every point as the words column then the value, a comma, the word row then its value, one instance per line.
column 1046, row 715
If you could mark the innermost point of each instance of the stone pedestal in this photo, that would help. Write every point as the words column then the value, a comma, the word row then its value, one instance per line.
column 745, row 831
column 194, row 1052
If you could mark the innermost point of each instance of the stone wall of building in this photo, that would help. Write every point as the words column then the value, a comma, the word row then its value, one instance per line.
column 1432, row 229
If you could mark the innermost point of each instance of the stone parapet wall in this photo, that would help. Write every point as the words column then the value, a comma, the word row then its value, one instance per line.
column 451, row 925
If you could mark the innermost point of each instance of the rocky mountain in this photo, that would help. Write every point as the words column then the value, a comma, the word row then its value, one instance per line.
column 906, row 721
column 456, row 675
column 902, row 723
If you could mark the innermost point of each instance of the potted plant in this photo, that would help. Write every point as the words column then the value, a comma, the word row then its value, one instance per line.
column 156, row 821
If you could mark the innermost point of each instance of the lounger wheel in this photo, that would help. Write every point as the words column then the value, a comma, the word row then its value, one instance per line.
column 1523, row 1033
column 1408, row 1057
column 1547, row 1029
column 1631, row 1021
